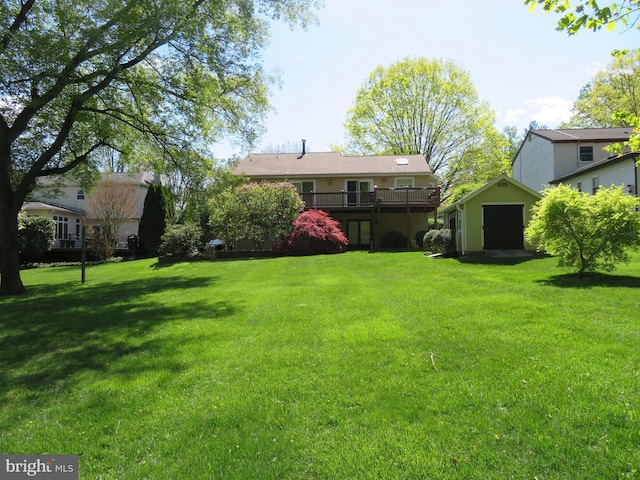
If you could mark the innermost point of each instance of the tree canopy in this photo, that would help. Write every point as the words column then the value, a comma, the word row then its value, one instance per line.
column 256, row 211
column 612, row 96
column 82, row 77
column 590, row 14
column 428, row 107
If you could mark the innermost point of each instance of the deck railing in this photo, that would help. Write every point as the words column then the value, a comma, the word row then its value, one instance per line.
column 417, row 197
column 73, row 241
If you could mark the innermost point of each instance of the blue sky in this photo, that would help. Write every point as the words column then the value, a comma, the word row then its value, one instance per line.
column 518, row 62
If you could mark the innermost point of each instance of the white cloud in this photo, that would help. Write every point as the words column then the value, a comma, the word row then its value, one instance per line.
column 550, row 111
column 512, row 117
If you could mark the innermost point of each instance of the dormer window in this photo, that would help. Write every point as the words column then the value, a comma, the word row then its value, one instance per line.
column 586, row 154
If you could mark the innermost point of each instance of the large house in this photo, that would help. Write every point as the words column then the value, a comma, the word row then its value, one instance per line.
column 548, row 157
column 375, row 198
column 67, row 205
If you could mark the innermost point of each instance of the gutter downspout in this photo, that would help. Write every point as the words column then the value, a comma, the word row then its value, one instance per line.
column 635, row 175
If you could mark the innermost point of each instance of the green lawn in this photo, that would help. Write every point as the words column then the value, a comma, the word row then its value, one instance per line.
column 353, row 366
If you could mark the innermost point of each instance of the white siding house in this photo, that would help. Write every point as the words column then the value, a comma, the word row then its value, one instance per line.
column 621, row 171
column 546, row 156
column 69, row 208
column 527, row 168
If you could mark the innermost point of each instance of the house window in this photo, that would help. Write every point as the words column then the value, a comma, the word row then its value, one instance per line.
column 404, row 182
column 579, row 186
column 62, row 227
column 586, row 154
column 595, row 183
column 80, row 195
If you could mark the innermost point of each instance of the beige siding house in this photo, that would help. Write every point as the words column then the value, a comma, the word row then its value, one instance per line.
column 492, row 217
column 371, row 196
column 69, row 208
column 548, row 155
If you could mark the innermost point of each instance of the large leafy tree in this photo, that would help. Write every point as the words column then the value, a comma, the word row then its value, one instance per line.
column 591, row 14
column 612, row 96
column 428, row 107
column 198, row 208
column 255, row 211
column 586, row 232
column 82, row 76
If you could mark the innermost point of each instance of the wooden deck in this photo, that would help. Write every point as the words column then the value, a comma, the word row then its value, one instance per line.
column 402, row 198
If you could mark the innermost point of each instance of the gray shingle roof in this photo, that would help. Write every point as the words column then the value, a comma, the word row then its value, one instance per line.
column 585, row 134
column 52, row 206
column 329, row 164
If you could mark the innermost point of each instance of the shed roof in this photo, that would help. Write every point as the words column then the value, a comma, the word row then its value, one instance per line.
column 486, row 186
column 330, row 164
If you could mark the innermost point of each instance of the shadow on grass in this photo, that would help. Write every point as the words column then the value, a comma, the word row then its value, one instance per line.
column 589, row 280
column 489, row 260
column 59, row 331
column 212, row 261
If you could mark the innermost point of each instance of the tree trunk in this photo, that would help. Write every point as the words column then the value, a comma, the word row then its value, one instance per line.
column 10, row 281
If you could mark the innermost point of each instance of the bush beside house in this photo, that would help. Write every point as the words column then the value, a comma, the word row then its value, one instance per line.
column 439, row 241
column 36, row 234
column 181, row 241
column 314, row 232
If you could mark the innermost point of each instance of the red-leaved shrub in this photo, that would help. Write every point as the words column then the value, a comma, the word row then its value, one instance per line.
column 313, row 232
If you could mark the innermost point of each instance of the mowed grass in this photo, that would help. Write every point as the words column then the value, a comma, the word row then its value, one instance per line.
column 353, row 366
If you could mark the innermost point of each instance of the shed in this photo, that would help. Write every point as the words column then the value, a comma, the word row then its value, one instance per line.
column 493, row 217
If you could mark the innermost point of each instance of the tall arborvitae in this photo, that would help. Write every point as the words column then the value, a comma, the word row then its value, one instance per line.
column 159, row 211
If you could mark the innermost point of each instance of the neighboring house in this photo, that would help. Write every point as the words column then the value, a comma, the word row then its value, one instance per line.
column 621, row 170
column 492, row 217
column 69, row 209
column 546, row 156
column 369, row 195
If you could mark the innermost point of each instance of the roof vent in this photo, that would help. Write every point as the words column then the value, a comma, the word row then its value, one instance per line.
column 402, row 161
